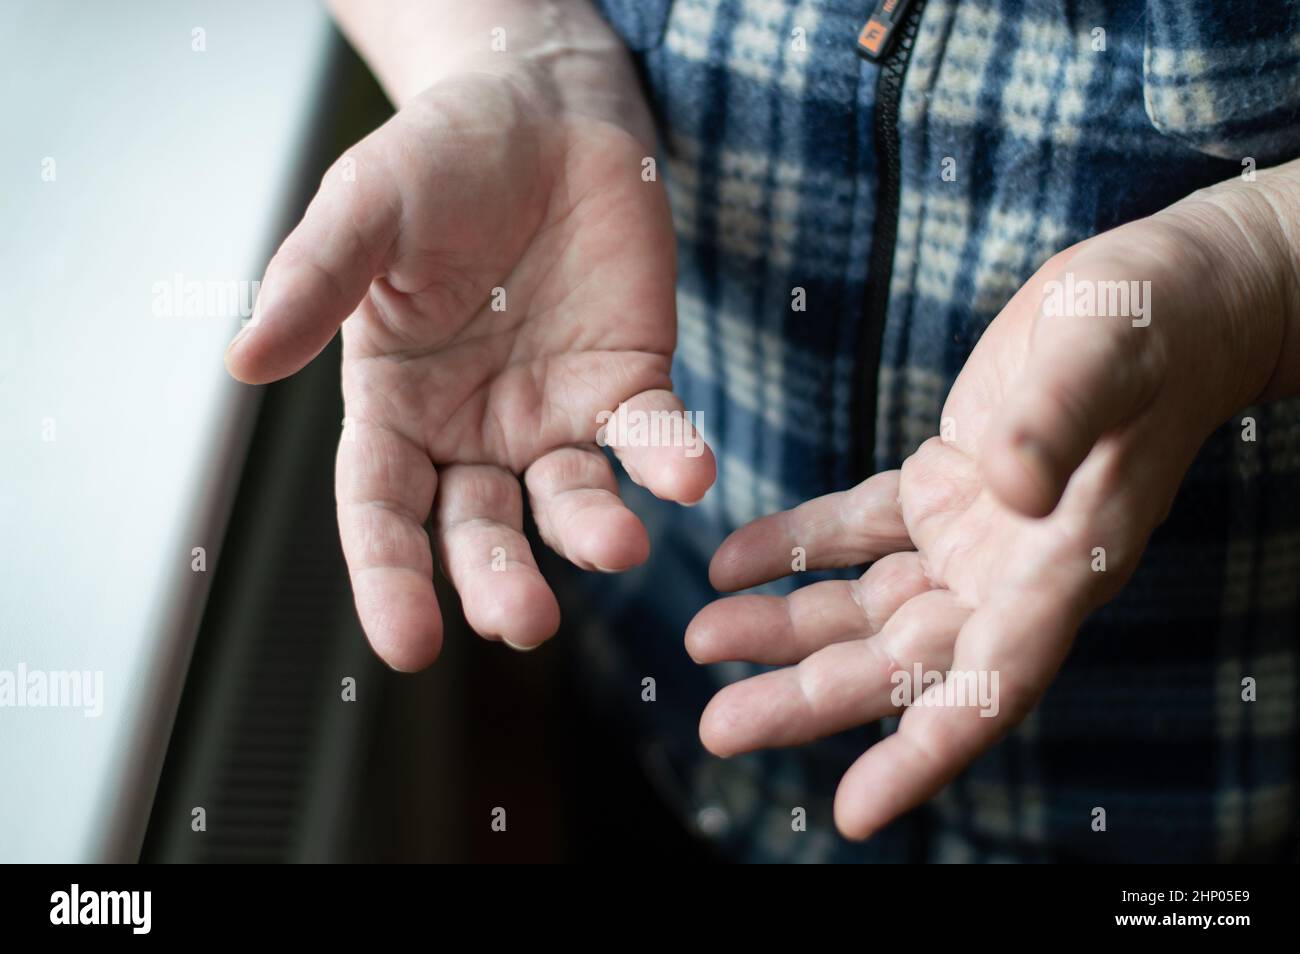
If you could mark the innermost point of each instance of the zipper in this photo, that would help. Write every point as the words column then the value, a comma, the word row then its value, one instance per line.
column 887, row 38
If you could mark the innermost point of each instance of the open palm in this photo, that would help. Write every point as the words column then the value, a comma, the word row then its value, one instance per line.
column 1062, row 444
column 506, row 274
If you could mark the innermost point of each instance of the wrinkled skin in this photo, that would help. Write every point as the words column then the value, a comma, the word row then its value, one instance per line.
column 450, row 397
column 1064, row 434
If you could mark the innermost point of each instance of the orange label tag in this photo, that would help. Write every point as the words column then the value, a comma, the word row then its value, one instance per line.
column 872, row 36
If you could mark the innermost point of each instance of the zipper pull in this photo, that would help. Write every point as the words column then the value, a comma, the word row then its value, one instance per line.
column 878, row 33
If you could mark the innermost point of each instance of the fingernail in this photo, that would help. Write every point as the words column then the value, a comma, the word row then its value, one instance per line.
column 520, row 649
column 253, row 319
column 1035, row 459
column 243, row 332
column 1032, row 451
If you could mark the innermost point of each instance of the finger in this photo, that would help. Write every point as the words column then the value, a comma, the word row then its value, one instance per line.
column 479, row 527
column 1083, row 377
column 384, row 485
column 941, row 481
column 781, row 630
column 321, row 271
column 836, row 688
column 1018, row 645
column 575, row 502
column 840, row 529
column 658, row 444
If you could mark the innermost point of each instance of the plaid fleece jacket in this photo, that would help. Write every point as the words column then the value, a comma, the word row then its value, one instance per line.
column 1057, row 131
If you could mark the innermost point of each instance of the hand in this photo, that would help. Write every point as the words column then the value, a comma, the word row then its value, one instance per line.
column 505, row 275
column 1064, row 440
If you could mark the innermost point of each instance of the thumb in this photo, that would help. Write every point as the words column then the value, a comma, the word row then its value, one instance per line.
column 1084, row 375
column 321, row 271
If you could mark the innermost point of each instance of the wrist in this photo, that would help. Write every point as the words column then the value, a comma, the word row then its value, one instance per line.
column 1277, row 194
column 560, row 53
column 1243, row 271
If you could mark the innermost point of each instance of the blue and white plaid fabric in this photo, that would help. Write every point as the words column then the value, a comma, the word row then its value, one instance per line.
column 1058, row 131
